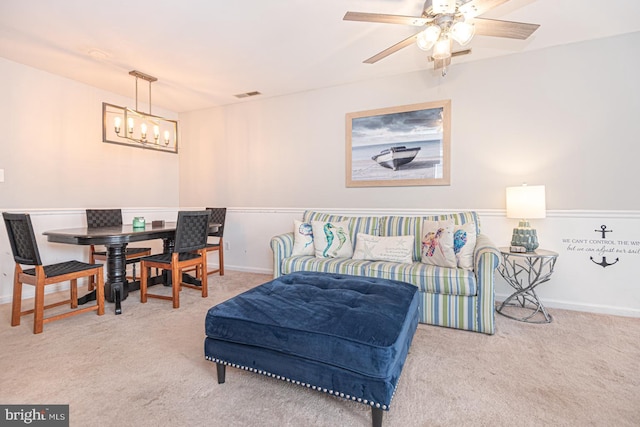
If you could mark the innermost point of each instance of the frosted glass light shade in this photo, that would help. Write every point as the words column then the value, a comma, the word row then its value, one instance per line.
column 462, row 32
column 526, row 202
column 442, row 49
column 427, row 38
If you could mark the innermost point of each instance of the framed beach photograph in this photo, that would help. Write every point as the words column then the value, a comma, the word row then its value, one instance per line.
column 399, row 146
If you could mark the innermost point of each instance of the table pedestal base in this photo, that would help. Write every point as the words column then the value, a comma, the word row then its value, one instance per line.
column 524, row 302
column 524, row 272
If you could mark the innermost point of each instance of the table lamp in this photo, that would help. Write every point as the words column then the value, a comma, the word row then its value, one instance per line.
column 525, row 202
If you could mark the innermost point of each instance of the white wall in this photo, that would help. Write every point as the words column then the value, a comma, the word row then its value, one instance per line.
column 52, row 152
column 563, row 117
column 56, row 165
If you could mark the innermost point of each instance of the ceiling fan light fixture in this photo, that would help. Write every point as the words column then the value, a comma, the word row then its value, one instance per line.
column 427, row 38
column 462, row 32
column 443, row 6
column 442, row 49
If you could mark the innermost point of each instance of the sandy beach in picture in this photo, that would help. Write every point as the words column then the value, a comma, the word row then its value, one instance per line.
column 369, row 170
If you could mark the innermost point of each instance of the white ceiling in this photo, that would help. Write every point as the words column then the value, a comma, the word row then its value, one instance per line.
column 203, row 52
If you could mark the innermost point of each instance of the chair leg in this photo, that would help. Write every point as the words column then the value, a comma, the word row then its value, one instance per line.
column 38, row 309
column 73, row 288
column 176, row 279
column 221, row 259
column 92, row 260
column 144, row 273
column 100, row 291
column 16, row 306
column 203, row 280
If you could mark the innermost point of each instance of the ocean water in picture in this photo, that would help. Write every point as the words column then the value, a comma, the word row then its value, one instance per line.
column 428, row 149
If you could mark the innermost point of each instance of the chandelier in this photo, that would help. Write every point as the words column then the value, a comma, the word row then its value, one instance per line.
column 449, row 24
column 122, row 125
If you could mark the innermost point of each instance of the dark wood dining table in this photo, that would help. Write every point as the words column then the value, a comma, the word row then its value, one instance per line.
column 116, row 239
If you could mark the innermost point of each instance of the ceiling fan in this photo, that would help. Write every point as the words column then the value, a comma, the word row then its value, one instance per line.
column 446, row 21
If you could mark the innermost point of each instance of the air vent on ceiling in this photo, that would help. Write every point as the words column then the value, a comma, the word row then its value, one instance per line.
column 248, row 94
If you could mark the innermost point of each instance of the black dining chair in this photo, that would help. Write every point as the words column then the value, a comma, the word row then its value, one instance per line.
column 25, row 252
column 189, row 251
column 111, row 218
column 218, row 216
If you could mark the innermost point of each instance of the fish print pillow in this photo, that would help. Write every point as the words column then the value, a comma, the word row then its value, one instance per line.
column 464, row 243
column 331, row 239
column 437, row 243
column 302, row 238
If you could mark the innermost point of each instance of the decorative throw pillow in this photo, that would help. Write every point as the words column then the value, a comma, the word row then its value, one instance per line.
column 377, row 248
column 331, row 239
column 437, row 243
column 302, row 238
column 464, row 243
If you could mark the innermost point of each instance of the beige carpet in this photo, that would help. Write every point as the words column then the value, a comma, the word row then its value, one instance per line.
column 146, row 368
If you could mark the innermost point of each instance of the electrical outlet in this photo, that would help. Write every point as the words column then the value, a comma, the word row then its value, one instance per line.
column 227, row 246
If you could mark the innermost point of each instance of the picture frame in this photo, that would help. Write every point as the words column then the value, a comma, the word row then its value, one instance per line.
column 408, row 145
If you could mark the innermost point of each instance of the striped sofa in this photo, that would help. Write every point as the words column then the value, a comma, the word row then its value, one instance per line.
column 451, row 297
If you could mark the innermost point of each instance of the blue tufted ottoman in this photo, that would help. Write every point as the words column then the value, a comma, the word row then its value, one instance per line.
column 343, row 335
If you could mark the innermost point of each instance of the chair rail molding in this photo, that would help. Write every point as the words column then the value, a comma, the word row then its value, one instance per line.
column 578, row 283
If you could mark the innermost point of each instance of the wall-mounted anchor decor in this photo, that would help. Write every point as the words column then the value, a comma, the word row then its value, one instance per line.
column 604, row 262
column 604, row 231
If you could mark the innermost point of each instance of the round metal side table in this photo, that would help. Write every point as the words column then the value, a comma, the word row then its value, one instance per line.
column 525, row 271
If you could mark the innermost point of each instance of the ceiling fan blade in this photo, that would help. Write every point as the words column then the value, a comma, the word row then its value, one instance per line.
column 478, row 7
column 386, row 19
column 498, row 28
column 393, row 49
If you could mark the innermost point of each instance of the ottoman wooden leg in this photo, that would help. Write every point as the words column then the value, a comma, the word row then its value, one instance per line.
column 220, row 368
column 376, row 417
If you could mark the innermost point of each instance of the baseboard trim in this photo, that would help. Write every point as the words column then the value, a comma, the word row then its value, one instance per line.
column 589, row 308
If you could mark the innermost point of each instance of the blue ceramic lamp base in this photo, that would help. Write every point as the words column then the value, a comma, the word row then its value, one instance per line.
column 525, row 236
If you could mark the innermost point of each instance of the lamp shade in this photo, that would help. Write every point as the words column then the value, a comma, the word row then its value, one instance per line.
column 526, row 202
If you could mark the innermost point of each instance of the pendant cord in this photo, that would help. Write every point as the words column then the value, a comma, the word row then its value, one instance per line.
column 136, row 93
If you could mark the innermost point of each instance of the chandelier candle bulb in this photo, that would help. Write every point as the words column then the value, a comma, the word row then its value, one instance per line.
column 130, row 125
column 116, row 124
column 143, row 131
column 156, row 132
column 166, row 137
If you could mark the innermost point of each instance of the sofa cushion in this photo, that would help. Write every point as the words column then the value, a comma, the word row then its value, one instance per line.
column 324, row 265
column 464, row 244
column 302, row 238
column 357, row 224
column 428, row 278
column 412, row 225
column 331, row 239
column 437, row 243
column 389, row 248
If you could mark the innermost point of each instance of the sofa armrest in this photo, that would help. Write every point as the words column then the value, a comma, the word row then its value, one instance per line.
column 282, row 246
column 486, row 258
column 486, row 252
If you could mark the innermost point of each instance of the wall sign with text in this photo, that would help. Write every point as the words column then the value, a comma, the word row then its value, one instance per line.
column 603, row 247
